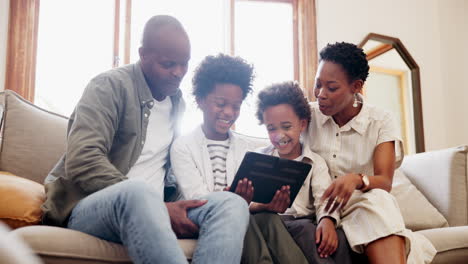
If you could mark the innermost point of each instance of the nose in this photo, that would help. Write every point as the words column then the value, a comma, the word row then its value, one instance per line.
column 321, row 94
column 179, row 71
column 277, row 137
column 228, row 111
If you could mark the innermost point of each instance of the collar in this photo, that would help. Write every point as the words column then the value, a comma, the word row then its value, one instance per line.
column 359, row 123
column 307, row 155
column 144, row 92
column 200, row 135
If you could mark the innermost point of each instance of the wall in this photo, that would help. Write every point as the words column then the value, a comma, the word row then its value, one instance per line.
column 454, row 67
column 430, row 30
column 4, row 8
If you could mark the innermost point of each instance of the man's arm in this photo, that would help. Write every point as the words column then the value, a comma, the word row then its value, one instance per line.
column 90, row 135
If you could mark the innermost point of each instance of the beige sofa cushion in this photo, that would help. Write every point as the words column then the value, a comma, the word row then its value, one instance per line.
column 61, row 245
column 451, row 244
column 20, row 200
column 418, row 213
column 442, row 177
column 33, row 138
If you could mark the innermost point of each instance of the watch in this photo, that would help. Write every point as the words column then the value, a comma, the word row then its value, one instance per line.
column 365, row 182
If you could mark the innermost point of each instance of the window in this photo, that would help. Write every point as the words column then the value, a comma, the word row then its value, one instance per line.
column 74, row 45
column 268, row 44
column 72, row 50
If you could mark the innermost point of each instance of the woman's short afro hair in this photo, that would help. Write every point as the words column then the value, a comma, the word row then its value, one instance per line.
column 222, row 69
column 350, row 57
column 283, row 93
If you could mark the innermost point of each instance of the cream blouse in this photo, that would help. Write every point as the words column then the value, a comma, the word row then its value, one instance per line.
column 350, row 148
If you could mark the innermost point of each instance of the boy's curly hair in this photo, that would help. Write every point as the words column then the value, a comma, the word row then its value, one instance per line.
column 283, row 93
column 350, row 57
column 222, row 69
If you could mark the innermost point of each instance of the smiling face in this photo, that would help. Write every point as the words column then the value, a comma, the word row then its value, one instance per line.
column 284, row 129
column 164, row 61
column 333, row 90
column 221, row 109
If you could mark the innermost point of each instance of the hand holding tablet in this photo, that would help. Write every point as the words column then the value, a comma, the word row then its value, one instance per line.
column 268, row 174
column 244, row 188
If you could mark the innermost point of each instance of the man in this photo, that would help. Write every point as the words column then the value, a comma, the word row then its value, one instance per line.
column 115, row 174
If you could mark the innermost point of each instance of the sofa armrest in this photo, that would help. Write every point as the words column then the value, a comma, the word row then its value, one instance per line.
column 442, row 177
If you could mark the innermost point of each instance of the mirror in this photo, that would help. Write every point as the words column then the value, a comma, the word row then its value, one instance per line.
column 394, row 84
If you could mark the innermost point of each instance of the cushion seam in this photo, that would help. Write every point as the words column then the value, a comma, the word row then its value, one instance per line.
column 454, row 248
column 75, row 256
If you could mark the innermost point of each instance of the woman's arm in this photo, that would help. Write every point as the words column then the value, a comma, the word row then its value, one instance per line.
column 341, row 189
column 384, row 167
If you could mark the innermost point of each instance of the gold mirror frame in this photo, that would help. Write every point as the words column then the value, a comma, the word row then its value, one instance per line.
column 395, row 43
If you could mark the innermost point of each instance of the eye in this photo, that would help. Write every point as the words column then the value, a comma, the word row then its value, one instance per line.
column 270, row 129
column 286, row 127
column 167, row 64
column 220, row 104
column 332, row 89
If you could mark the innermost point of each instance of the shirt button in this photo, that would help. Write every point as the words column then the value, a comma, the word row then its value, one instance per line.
column 151, row 103
column 146, row 115
column 337, row 134
column 335, row 176
column 334, row 155
column 142, row 142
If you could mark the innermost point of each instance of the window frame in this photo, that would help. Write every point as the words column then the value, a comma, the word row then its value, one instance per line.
column 23, row 34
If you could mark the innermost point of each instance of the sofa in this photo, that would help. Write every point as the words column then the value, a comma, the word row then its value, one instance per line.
column 33, row 139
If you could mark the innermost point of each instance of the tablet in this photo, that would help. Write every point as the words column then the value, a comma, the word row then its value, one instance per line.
column 268, row 173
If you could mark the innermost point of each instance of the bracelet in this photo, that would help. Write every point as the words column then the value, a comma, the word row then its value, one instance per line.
column 365, row 182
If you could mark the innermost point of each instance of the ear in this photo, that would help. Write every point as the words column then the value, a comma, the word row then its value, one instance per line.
column 357, row 86
column 303, row 125
column 200, row 102
column 141, row 52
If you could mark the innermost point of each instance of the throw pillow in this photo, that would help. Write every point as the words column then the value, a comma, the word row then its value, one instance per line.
column 418, row 213
column 33, row 138
column 20, row 200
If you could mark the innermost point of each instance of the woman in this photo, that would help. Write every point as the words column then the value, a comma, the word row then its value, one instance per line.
column 362, row 149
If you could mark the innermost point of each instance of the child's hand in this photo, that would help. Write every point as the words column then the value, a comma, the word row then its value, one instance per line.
column 280, row 201
column 326, row 237
column 245, row 190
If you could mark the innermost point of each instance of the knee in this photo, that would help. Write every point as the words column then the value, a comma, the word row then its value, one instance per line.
column 267, row 219
column 341, row 236
column 137, row 194
column 380, row 197
column 230, row 205
column 302, row 228
column 378, row 192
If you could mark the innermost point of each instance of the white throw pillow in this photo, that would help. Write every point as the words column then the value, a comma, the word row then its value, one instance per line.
column 418, row 213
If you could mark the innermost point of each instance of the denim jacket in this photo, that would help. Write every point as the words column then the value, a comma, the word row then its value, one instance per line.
column 106, row 134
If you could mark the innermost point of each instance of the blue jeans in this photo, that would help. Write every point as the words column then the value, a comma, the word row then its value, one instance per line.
column 133, row 214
